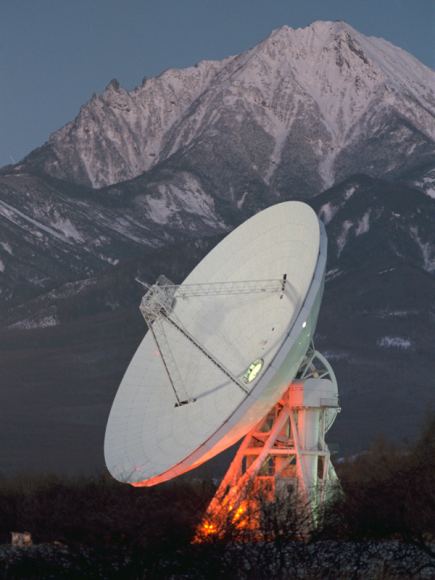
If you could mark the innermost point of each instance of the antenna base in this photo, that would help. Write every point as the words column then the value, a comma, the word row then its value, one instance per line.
column 283, row 458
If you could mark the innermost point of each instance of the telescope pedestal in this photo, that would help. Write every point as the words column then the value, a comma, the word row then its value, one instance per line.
column 283, row 458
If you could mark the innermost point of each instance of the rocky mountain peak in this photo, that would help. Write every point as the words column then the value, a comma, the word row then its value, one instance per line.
column 112, row 86
column 322, row 90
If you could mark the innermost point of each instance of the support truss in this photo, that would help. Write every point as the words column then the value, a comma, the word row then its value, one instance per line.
column 157, row 307
column 283, row 456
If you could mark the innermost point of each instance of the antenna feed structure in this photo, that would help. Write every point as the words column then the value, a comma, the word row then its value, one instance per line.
column 158, row 299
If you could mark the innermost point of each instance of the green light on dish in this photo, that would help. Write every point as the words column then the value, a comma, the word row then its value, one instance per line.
column 253, row 370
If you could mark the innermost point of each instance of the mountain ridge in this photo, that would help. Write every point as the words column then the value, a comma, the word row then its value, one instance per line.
column 327, row 71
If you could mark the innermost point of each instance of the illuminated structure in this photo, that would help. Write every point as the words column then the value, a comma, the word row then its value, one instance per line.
column 284, row 456
column 229, row 355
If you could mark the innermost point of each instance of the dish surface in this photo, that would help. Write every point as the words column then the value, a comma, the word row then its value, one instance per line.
column 257, row 329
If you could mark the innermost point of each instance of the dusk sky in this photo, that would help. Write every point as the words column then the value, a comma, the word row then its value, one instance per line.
column 55, row 54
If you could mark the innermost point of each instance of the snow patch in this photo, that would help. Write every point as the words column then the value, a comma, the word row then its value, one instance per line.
column 363, row 225
column 427, row 250
column 7, row 247
column 2, row 266
column 241, row 201
column 427, row 184
column 327, row 212
column 386, row 270
column 342, row 238
column 397, row 313
column 170, row 200
column 160, row 209
column 108, row 259
column 397, row 342
column 16, row 216
column 29, row 323
column 67, row 228
column 335, row 355
column 334, row 273
column 349, row 192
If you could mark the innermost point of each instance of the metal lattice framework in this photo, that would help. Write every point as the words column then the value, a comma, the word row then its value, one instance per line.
column 276, row 454
column 157, row 307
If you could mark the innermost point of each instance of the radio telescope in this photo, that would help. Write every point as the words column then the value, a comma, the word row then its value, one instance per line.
column 229, row 354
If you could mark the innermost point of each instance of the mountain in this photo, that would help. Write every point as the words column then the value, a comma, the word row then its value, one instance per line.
column 377, row 321
column 193, row 152
column 148, row 181
column 303, row 109
column 54, row 233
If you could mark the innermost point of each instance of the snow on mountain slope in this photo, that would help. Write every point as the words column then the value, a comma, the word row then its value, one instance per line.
column 295, row 109
column 193, row 152
column 424, row 178
column 52, row 233
column 372, row 221
column 118, row 134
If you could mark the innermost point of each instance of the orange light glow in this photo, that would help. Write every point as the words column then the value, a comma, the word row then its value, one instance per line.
column 208, row 528
column 221, row 518
column 264, row 468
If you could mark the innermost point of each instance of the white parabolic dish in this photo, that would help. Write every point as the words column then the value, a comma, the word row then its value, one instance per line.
column 150, row 440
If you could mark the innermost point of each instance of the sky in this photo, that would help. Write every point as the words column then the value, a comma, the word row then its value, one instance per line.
column 54, row 54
